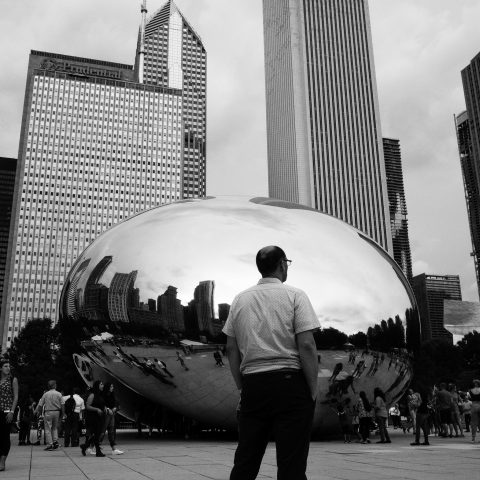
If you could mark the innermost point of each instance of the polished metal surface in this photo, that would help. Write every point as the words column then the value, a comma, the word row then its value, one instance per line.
column 161, row 283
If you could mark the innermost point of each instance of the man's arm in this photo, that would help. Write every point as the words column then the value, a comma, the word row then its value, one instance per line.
column 234, row 359
column 308, row 359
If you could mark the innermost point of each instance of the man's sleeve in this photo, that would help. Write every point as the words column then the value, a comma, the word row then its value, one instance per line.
column 228, row 328
column 305, row 317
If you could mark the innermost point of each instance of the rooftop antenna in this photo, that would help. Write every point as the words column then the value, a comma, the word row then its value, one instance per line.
column 141, row 52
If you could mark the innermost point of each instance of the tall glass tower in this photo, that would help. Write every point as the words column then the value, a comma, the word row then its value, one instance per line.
column 468, row 136
column 397, row 206
column 99, row 142
column 7, row 184
column 323, row 129
column 174, row 57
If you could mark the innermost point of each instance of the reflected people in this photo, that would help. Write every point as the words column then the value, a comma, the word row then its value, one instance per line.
column 151, row 312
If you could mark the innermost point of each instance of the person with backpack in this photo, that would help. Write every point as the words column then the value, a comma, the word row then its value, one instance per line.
column 73, row 406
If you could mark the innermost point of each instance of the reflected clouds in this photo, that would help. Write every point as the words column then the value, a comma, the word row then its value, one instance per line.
column 167, row 277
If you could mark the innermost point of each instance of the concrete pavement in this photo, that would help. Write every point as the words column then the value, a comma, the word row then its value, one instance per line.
column 168, row 459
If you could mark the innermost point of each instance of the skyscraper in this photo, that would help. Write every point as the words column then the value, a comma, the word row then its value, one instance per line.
column 7, row 184
column 430, row 292
column 100, row 141
column 205, row 306
column 397, row 206
column 176, row 58
column 323, row 128
column 470, row 173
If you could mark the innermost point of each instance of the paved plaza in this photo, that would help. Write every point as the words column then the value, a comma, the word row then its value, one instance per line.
column 199, row 460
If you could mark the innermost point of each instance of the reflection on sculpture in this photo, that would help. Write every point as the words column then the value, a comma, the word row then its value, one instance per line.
column 161, row 284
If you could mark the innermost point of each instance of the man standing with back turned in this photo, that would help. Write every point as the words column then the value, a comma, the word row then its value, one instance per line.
column 273, row 359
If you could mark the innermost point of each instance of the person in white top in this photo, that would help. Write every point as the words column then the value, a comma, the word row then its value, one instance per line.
column 273, row 359
column 73, row 415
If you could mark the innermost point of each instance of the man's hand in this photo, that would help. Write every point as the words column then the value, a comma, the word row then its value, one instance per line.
column 234, row 359
column 9, row 417
column 309, row 360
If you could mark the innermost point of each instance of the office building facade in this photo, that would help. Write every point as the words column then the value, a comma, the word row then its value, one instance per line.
column 468, row 138
column 471, row 185
column 96, row 146
column 431, row 291
column 7, row 184
column 323, row 128
column 397, row 206
column 176, row 58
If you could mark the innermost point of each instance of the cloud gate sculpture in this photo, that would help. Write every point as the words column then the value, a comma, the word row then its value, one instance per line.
column 153, row 293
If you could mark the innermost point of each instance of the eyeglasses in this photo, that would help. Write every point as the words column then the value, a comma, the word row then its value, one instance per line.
column 289, row 262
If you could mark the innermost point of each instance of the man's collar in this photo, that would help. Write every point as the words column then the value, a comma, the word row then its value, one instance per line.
column 269, row 280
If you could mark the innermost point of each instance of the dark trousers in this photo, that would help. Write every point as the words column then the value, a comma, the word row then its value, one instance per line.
column 421, row 424
column 365, row 427
column 4, row 435
column 24, row 432
column 278, row 404
column 71, row 429
column 95, row 424
column 109, row 427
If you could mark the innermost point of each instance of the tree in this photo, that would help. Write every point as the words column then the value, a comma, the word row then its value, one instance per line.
column 32, row 357
column 67, row 336
column 437, row 361
column 470, row 347
column 330, row 338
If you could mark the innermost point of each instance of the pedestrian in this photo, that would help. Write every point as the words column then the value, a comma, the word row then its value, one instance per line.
column 395, row 416
column 422, row 419
column 465, row 406
column 345, row 423
column 456, row 418
column 52, row 405
column 413, row 402
column 365, row 416
column 273, row 360
column 8, row 404
column 74, row 407
column 27, row 415
column 443, row 402
column 110, row 417
column 381, row 415
column 475, row 409
column 95, row 418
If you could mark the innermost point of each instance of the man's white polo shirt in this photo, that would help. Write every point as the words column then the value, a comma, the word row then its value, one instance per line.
column 264, row 320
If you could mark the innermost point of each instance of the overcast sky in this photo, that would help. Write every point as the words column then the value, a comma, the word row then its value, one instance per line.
column 420, row 47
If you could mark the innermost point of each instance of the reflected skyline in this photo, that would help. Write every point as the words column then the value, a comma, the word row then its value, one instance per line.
column 161, row 284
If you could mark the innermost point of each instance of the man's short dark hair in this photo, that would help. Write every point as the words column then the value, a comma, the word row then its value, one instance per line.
column 268, row 259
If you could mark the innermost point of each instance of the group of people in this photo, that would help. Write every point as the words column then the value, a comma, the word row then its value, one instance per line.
column 444, row 411
column 55, row 411
column 360, row 418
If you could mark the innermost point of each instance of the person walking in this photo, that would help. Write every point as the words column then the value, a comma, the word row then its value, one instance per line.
column 422, row 419
column 381, row 415
column 95, row 418
column 110, row 412
column 456, row 418
column 52, row 405
column 74, row 407
column 443, row 402
column 27, row 415
column 475, row 408
column 273, row 360
column 8, row 404
column 413, row 401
